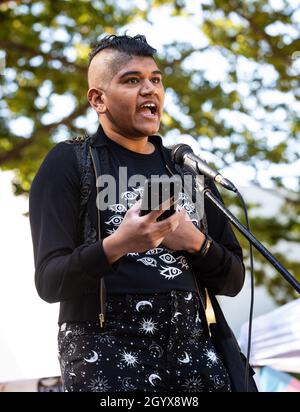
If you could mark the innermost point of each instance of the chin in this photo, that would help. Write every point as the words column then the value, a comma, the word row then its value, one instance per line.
column 148, row 131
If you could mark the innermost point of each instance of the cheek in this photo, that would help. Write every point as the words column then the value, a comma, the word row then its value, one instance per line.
column 122, row 105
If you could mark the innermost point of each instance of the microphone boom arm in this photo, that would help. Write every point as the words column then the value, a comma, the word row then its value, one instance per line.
column 207, row 193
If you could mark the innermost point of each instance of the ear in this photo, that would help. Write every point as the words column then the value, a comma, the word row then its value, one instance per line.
column 96, row 98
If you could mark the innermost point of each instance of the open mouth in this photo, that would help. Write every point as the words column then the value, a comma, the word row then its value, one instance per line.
column 149, row 109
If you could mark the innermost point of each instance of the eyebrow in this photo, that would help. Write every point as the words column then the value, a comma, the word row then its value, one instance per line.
column 137, row 73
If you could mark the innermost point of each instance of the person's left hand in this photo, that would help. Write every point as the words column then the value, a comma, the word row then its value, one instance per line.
column 186, row 236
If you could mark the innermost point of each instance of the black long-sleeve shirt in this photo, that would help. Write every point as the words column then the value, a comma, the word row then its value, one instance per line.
column 69, row 272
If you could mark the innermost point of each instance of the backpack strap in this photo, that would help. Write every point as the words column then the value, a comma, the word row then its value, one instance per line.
column 87, row 232
column 89, row 166
column 97, row 171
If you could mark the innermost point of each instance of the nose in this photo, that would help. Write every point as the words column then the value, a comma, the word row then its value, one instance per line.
column 148, row 88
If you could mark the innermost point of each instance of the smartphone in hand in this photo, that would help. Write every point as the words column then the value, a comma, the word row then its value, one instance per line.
column 157, row 191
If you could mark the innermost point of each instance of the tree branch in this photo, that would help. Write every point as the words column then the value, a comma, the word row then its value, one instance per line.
column 284, row 59
column 8, row 44
column 17, row 151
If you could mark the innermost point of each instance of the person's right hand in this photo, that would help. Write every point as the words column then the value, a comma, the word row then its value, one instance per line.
column 138, row 233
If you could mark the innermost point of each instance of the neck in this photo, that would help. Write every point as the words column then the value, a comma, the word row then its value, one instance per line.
column 135, row 144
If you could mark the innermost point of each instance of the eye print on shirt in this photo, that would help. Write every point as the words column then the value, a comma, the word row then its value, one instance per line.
column 118, row 207
column 167, row 258
column 170, row 272
column 148, row 261
column 154, row 251
column 110, row 231
column 189, row 207
column 139, row 191
column 130, row 204
column 183, row 262
column 129, row 195
column 115, row 220
column 182, row 196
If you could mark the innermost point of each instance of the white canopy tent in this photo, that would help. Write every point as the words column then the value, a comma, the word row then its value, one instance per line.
column 275, row 338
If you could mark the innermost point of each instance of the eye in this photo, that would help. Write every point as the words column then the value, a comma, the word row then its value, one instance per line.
column 154, row 251
column 195, row 221
column 188, row 207
column 129, row 195
column 115, row 220
column 148, row 261
column 156, row 80
column 183, row 262
column 182, row 196
column 167, row 258
column 139, row 190
column 133, row 80
column 170, row 272
column 118, row 207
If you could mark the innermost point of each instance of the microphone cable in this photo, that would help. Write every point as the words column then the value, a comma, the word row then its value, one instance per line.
column 246, row 381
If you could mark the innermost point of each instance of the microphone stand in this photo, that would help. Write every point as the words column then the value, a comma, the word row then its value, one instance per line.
column 207, row 193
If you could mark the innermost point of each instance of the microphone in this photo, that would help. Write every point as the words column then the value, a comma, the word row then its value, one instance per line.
column 184, row 155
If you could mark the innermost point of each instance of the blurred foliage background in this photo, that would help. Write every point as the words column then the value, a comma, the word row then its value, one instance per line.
column 247, row 115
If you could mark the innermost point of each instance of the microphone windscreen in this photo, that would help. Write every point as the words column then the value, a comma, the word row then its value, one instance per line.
column 178, row 151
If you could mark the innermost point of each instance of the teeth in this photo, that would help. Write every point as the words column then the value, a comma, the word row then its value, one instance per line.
column 150, row 105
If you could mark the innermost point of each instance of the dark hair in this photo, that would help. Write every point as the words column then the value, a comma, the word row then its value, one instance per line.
column 133, row 46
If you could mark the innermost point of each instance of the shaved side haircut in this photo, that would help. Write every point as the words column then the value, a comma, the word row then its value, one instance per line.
column 111, row 53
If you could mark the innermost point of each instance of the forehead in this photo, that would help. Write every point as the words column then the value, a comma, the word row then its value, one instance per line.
column 144, row 65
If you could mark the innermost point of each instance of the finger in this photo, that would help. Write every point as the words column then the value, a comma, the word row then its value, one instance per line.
column 168, row 230
column 135, row 205
column 167, row 203
column 164, row 227
column 135, row 208
column 184, row 214
column 168, row 223
column 154, row 214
